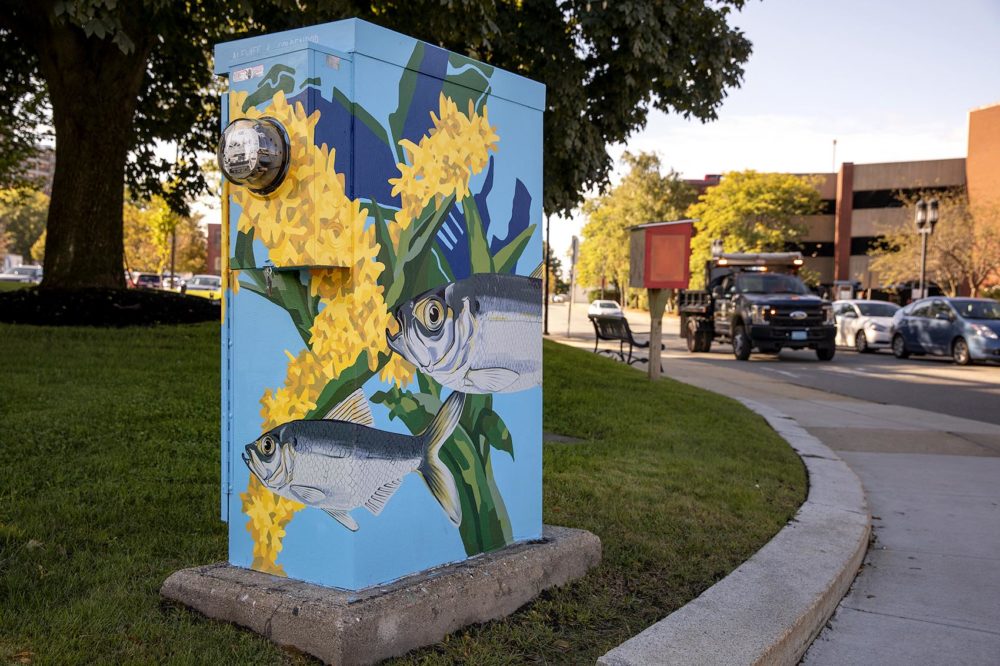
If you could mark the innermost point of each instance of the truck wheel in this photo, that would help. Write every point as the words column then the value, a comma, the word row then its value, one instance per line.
column 899, row 347
column 960, row 352
column 741, row 343
column 861, row 342
column 825, row 353
column 706, row 343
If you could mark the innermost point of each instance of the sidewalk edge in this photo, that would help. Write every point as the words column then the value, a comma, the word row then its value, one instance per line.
column 771, row 608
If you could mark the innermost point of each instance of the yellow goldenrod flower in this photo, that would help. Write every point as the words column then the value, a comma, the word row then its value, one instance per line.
column 457, row 147
column 308, row 220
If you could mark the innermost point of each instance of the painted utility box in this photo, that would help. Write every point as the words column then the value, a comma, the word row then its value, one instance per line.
column 381, row 347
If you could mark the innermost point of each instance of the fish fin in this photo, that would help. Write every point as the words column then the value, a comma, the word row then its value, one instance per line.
column 436, row 475
column 354, row 409
column 343, row 518
column 539, row 272
column 376, row 502
column 308, row 494
column 490, row 380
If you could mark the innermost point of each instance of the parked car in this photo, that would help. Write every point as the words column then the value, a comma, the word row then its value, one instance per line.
column 206, row 286
column 601, row 308
column 27, row 274
column 863, row 324
column 172, row 282
column 967, row 329
column 147, row 281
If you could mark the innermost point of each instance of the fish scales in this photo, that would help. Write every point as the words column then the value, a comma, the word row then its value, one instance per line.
column 339, row 465
column 354, row 468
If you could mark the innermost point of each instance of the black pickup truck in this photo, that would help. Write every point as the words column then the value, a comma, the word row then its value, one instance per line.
column 756, row 301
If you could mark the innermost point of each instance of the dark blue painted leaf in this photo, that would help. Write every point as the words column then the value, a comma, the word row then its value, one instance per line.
column 520, row 216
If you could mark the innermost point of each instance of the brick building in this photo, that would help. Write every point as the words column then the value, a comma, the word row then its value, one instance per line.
column 861, row 201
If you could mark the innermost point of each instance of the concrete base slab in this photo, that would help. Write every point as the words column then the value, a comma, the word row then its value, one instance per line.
column 366, row 626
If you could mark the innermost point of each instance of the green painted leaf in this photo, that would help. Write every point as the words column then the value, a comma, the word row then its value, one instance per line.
column 417, row 240
column 361, row 114
column 506, row 257
column 492, row 428
column 428, row 385
column 279, row 77
column 287, row 292
column 405, row 406
column 470, row 82
column 243, row 252
column 479, row 249
column 407, row 88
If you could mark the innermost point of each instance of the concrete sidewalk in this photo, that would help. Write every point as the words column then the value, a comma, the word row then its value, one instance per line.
column 929, row 592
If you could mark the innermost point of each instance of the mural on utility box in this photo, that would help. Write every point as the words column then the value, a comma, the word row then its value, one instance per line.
column 407, row 300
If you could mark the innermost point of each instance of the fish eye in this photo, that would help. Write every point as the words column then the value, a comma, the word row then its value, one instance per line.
column 430, row 313
column 267, row 445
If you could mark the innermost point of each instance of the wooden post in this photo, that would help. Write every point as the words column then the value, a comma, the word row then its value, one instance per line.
column 657, row 302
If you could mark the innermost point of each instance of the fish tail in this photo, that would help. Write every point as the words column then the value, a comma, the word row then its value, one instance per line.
column 437, row 476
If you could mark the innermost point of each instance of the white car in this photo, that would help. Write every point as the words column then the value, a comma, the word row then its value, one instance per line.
column 605, row 309
column 29, row 274
column 864, row 325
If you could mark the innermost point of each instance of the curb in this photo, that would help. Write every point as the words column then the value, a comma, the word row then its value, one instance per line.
column 769, row 609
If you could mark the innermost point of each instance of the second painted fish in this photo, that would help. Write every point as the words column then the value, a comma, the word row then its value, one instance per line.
column 478, row 335
column 341, row 463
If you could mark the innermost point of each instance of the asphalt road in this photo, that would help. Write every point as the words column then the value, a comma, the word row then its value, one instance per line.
column 931, row 383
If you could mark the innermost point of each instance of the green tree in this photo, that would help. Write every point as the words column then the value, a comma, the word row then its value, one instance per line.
column 122, row 75
column 149, row 232
column 644, row 195
column 22, row 216
column 557, row 283
column 751, row 212
column 963, row 251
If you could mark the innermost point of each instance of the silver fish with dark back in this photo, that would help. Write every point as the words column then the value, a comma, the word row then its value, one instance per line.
column 341, row 463
column 478, row 335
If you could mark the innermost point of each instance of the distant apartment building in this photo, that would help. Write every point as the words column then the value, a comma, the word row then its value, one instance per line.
column 702, row 184
column 213, row 258
column 39, row 169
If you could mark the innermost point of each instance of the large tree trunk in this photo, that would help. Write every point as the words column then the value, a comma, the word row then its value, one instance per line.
column 93, row 88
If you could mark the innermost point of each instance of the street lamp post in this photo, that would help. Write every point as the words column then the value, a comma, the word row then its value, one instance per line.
column 925, row 218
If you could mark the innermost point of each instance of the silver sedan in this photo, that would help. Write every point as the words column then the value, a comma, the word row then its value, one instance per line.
column 864, row 325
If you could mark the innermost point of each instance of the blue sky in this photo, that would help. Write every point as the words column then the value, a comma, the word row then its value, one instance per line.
column 889, row 80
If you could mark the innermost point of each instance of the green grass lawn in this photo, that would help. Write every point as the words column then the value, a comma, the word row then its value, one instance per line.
column 110, row 483
column 11, row 286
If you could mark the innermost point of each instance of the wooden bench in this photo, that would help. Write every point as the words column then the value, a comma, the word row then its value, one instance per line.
column 617, row 329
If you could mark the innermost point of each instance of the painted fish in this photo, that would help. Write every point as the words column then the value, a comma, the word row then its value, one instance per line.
column 340, row 463
column 478, row 335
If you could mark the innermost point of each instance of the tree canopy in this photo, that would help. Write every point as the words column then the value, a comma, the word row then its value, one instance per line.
column 963, row 251
column 643, row 195
column 751, row 212
column 122, row 75
column 22, row 217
